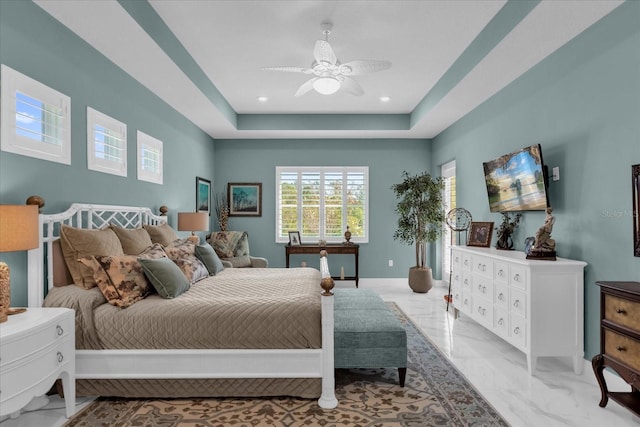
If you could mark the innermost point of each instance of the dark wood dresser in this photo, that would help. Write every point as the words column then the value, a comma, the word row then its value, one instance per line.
column 620, row 341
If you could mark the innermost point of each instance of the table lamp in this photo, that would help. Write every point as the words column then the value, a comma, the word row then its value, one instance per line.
column 18, row 232
column 193, row 221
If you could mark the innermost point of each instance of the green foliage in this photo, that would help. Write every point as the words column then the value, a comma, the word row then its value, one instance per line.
column 420, row 210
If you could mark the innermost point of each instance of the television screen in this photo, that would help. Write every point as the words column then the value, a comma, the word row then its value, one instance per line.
column 516, row 181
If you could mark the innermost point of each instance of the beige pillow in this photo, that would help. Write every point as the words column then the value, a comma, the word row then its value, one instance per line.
column 134, row 240
column 162, row 234
column 78, row 243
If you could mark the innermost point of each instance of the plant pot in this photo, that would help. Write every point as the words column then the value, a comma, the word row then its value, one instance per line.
column 420, row 280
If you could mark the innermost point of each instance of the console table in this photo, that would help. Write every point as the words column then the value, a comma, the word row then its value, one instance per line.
column 338, row 249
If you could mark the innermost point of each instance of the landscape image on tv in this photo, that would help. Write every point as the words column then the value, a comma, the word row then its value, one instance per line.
column 515, row 181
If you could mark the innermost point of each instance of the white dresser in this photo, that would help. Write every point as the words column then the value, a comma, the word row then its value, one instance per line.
column 36, row 348
column 537, row 306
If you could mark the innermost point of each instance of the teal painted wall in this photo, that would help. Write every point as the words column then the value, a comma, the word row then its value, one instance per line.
column 256, row 161
column 582, row 104
column 35, row 44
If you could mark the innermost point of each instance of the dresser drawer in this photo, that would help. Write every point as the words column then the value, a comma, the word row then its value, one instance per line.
column 466, row 262
column 501, row 322
column 467, row 282
column 501, row 272
column 483, row 287
column 622, row 348
column 482, row 311
column 456, row 260
column 518, row 331
column 19, row 346
column 501, row 299
column 465, row 305
column 622, row 311
column 517, row 302
column 483, row 266
column 517, row 277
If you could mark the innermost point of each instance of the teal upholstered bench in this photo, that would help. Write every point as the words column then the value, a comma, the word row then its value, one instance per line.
column 367, row 334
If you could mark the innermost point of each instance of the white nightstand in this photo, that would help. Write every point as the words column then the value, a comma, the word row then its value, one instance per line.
column 36, row 348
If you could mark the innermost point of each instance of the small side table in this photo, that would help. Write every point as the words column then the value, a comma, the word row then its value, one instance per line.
column 36, row 348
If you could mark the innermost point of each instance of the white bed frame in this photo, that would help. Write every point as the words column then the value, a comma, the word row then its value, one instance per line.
column 174, row 363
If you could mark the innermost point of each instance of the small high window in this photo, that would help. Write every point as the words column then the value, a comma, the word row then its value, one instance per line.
column 149, row 158
column 106, row 143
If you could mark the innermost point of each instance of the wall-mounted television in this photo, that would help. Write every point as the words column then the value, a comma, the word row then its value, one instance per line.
column 517, row 181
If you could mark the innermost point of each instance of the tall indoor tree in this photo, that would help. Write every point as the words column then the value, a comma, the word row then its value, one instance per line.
column 421, row 215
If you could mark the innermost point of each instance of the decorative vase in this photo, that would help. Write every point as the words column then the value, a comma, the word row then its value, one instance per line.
column 347, row 236
column 420, row 280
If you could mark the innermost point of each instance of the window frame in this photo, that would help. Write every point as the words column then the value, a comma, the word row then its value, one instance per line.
column 143, row 174
column 322, row 170
column 95, row 117
column 14, row 82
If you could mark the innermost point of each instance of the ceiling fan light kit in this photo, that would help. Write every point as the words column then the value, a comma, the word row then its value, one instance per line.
column 331, row 75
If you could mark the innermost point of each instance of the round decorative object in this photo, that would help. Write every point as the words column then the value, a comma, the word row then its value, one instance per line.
column 36, row 200
column 327, row 284
column 347, row 235
column 458, row 219
column 163, row 210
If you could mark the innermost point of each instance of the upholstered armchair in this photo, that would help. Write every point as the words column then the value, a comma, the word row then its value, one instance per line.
column 233, row 249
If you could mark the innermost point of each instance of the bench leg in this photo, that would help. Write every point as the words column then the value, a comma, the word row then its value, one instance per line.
column 402, row 374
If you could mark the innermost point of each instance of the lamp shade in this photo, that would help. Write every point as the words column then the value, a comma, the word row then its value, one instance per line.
column 326, row 85
column 18, row 227
column 193, row 221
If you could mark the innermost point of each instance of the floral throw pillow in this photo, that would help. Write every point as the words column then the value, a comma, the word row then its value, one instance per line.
column 121, row 278
column 183, row 253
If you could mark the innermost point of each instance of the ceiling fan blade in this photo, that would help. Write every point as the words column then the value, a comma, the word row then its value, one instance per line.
column 351, row 86
column 305, row 87
column 323, row 52
column 289, row 69
column 359, row 67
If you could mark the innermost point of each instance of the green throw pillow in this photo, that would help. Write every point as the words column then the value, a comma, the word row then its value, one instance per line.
column 209, row 258
column 165, row 276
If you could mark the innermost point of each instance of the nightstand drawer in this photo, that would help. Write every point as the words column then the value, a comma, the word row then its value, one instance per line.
column 622, row 311
column 622, row 348
column 19, row 346
column 36, row 368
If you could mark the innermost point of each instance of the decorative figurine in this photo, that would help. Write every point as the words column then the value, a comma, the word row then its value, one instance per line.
column 347, row 237
column 505, row 231
column 544, row 247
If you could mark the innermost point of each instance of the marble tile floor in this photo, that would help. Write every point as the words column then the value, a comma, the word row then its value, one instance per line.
column 555, row 396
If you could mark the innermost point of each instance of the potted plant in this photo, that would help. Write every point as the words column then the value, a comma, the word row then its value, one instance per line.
column 421, row 211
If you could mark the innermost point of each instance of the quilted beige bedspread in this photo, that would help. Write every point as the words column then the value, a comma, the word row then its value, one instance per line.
column 238, row 308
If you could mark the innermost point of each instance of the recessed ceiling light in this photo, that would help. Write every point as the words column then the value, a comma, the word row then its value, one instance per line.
column 263, row 99
column 385, row 98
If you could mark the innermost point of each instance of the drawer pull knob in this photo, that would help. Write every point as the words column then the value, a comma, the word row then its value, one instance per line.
column 501, row 297
column 60, row 357
column 457, row 259
column 516, row 330
column 620, row 348
column 500, row 273
column 501, row 321
column 621, row 311
column 516, row 278
column 516, row 303
column 59, row 330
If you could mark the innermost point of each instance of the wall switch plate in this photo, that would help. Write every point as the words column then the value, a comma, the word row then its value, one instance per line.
column 555, row 174
column 390, row 263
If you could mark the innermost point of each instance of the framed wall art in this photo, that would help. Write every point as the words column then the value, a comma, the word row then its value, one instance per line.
column 635, row 195
column 480, row 234
column 203, row 195
column 245, row 199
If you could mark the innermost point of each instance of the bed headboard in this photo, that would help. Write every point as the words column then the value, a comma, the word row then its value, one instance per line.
column 87, row 216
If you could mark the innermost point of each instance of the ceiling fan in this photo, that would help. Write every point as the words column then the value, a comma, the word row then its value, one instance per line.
column 329, row 74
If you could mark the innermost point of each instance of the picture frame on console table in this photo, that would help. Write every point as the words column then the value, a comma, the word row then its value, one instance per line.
column 635, row 190
column 294, row 238
column 480, row 234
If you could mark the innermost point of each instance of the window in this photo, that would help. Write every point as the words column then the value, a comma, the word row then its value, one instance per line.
column 149, row 158
column 106, row 143
column 320, row 202
column 35, row 118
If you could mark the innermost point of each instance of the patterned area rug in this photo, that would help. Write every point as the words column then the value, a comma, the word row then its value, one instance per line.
column 435, row 394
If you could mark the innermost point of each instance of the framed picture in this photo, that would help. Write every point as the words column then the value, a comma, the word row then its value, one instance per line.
column 203, row 195
column 294, row 238
column 245, row 199
column 635, row 190
column 480, row 234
